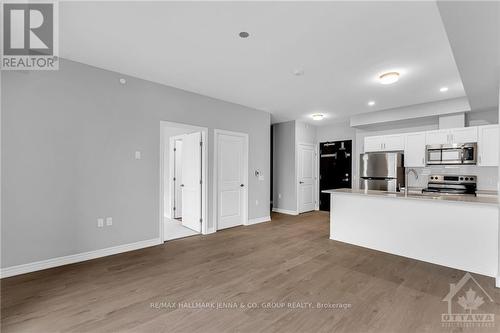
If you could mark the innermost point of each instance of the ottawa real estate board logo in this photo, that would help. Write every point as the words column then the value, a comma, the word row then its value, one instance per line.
column 30, row 35
column 469, row 305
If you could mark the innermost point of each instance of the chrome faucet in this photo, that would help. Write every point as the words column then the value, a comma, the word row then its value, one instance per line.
column 407, row 172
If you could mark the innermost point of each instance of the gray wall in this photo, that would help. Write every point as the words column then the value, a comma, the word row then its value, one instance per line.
column 305, row 133
column 284, row 166
column 68, row 143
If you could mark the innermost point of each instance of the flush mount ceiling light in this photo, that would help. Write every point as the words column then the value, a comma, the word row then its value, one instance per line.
column 244, row 34
column 388, row 78
column 371, row 103
column 123, row 81
column 443, row 89
column 318, row 116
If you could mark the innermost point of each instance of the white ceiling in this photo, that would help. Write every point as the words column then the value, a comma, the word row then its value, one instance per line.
column 340, row 46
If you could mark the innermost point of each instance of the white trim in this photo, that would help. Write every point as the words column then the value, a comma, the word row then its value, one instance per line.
column 204, row 185
column 259, row 220
column 215, row 200
column 285, row 211
column 171, row 171
column 316, row 176
column 74, row 258
column 497, row 282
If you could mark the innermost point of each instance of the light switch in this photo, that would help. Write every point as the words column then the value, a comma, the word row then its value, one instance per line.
column 109, row 221
column 137, row 155
column 100, row 222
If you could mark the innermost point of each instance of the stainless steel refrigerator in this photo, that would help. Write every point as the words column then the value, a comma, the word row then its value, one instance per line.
column 382, row 171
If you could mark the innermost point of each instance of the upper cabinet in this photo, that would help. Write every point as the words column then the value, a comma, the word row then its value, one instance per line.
column 384, row 143
column 488, row 145
column 463, row 135
column 413, row 144
column 450, row 136
column 437, row 137
column 415, row 149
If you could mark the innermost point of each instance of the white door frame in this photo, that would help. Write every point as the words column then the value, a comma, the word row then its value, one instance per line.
column 316, row 176
column 215, row 179
column 204, row 174
column 315, row 149
column 171, row 168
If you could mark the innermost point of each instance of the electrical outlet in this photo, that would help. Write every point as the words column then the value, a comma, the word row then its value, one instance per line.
column 256, row 202
column 137, row 155
column 109, row 221
column 100, row 222
column 279, row 196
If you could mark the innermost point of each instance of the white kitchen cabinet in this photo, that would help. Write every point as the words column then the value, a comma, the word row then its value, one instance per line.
column 450, row 136
column 488, row 145
column 393, row 142
column 373, row 143
column 384, row 143
column 463, row 135
column 415, row 149
column 437, row 137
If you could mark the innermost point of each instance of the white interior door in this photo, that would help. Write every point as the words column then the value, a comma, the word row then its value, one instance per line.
column 178, row 178
column 231, row 168
column 191, row 181
column 306, row 178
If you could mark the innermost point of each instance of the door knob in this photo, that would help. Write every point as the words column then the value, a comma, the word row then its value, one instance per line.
column 182, row 185
column 301, row 182
column 241, row 185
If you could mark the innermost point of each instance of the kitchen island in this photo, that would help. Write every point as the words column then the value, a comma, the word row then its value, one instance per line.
column 455, row 231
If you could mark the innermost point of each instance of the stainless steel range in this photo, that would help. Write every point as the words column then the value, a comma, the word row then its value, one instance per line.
column 451, row 185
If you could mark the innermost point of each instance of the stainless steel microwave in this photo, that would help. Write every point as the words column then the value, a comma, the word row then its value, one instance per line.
column 462, row 153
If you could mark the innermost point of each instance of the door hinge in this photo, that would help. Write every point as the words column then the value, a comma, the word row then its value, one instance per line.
column 201, row 182
column 201, row 220
column 201, row 143
column 174, row 208
column 174, row 179
column 175, row 149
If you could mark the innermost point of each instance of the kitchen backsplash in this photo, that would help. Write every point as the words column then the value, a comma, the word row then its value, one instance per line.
column 487, row 177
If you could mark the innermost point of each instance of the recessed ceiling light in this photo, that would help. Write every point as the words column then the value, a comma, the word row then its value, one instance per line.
column 244, row 34
column 318, row 116
column 443, row 89
column 371, row 103
column 388, row 78
column 298, row 72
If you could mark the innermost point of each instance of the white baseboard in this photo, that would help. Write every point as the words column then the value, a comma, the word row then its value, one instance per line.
column 285, row 211
column 259, row 220
column 74, row 258
column 497, row 282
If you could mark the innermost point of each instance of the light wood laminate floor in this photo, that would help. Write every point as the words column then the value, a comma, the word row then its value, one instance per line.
column 288, row 260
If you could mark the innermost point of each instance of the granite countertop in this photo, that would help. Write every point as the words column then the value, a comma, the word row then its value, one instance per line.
column 412, row 195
